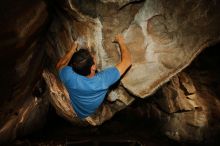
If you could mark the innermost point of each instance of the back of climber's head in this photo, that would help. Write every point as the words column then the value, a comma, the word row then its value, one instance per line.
column 82, row 62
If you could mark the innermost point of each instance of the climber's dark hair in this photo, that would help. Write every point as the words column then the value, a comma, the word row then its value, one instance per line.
column 82, row 62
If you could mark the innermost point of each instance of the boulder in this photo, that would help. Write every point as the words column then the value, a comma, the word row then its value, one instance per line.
column 164, row 37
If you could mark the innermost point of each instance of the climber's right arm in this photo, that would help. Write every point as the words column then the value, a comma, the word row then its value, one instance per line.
column 125, row 55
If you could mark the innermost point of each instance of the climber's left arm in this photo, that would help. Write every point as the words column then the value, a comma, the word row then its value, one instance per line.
column 66, row 58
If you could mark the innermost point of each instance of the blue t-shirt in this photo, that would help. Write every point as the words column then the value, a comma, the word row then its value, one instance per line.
column 87, row 94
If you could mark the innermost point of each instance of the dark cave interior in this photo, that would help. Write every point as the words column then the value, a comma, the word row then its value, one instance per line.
column 130, row 127
column 35, row 34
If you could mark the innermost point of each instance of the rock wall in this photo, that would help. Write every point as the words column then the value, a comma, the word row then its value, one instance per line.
column 187, row 106
column 163, row 37
column 23, row 105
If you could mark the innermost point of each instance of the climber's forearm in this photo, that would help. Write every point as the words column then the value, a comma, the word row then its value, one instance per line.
column 125, row 55
column 66, row 58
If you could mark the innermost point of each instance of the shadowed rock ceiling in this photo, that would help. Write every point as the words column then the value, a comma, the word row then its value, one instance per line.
column 164, row 38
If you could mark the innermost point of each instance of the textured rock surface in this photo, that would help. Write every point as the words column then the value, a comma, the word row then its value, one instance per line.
column 163, row 39
column 163, row 36
column 188, row 105
column 187, row 109
column 21, row 60
column 169, row 36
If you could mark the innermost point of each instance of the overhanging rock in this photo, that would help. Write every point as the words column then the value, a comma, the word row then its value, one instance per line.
column 162, row 36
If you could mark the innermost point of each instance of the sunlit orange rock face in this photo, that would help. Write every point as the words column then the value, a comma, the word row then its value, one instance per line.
column 164, row 37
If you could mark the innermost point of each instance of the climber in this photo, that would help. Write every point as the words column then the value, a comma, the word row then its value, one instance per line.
column 87, row 89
